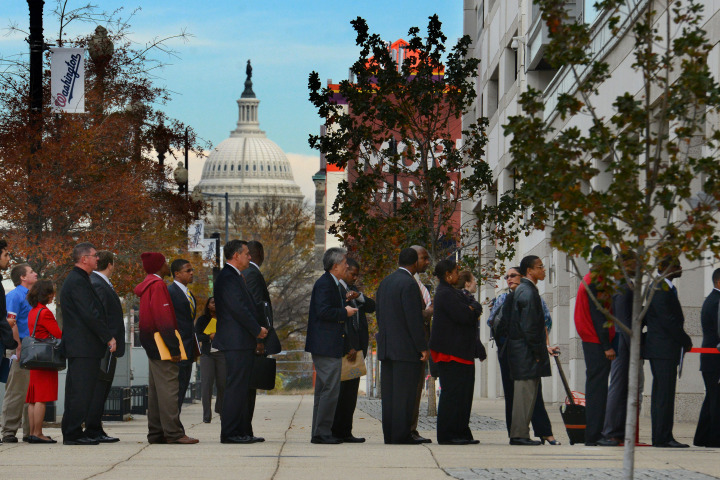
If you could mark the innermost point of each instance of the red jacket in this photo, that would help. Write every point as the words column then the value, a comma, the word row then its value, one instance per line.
column 589, row 320
column 156, row 315
column 47, row 325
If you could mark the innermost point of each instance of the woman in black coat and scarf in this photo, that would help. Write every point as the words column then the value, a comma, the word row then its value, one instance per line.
column 454, row 346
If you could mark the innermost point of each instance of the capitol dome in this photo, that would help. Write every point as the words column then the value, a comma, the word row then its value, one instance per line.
column 248, row 166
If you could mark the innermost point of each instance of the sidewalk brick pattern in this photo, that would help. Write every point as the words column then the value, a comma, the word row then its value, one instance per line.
column 570, row 474
column 373, row 407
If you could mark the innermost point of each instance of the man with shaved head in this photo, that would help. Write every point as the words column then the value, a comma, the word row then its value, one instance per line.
column 422, row 265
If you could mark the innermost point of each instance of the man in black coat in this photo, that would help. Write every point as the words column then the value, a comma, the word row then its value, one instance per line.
column 527, row 348
column 401, row 347
column 665, row 340
column 238, row 331
column 707, row 433
column 185, row 309
column 325, row 341
column 100, row 280
column 86, row 337
column 6, row 334
column 356, row 340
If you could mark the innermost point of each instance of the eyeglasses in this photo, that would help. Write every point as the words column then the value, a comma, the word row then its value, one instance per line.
column 512, row 275
column 91, row 255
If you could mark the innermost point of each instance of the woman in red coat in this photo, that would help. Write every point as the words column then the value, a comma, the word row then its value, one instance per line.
column 43, row 383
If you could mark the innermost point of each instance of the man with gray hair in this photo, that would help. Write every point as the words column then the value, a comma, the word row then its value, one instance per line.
column 324, row 340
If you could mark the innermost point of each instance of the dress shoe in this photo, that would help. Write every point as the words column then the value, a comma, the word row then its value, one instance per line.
column 455, row 441
column 34, row 439
column 608, row 442
column 523, row 441
column 353, row 439
column 157, row 441
column 257, row 439
column 671, row 444
column 472, row 441
column 411, row 441
column 185, row 440
column 246, row 439
column 10, row 439
column 81, row 441
column 420, row 439
column 26, row 438
column 326, row 440
column 106, row 439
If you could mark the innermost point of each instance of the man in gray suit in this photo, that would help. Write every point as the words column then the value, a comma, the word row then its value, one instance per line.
column 401, row 347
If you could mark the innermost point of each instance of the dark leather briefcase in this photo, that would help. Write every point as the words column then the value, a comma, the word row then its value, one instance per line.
column 263, row 373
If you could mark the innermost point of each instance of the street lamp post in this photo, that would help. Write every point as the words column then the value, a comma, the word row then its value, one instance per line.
column 393, row 152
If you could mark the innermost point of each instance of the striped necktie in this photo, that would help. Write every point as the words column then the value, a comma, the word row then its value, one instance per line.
column 192, row 302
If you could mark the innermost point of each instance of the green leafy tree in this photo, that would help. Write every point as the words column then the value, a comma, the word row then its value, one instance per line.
column 639, row 172
column 402, row 120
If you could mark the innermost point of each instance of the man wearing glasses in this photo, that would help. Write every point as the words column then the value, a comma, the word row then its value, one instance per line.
column 527, row 348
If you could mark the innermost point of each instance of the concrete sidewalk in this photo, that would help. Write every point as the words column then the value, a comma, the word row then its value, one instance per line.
column 287, row 453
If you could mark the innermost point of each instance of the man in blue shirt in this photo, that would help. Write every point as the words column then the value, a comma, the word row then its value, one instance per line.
column 14, row 409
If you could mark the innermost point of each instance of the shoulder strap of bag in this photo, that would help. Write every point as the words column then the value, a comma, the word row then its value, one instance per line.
column 36, row 322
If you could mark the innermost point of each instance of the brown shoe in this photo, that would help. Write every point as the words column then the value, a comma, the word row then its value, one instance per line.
column 185, row 440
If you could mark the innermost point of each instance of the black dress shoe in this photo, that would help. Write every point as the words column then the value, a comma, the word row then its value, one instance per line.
column 81, row 441
column 257, row 439
column 671, row 444
column 326, row 440
column 523, row 441
column 26, row 438
column 353, row 439
column 106, row 439
column 472, row 441
column 607, row 442
column 420, row 439
column 238, row 439
column 455, row 441
column 9, row 439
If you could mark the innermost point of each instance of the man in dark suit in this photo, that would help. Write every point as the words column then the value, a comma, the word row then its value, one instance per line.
column 238, row 331
column 258, row 289
column 664, row 343
column 356, row 340
column 100, row 280
column 86, row 337
column 707, row 433
column 185, row 308
column 401, row 347
column 325, row 341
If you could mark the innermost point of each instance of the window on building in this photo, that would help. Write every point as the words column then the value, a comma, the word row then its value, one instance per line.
column 232, row 167
column 219, row 208
column 254, row 167
column 493, row 94
column 225, row 168
column 247, row 167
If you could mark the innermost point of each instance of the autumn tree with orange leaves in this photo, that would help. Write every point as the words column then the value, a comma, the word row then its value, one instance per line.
column 94, row 177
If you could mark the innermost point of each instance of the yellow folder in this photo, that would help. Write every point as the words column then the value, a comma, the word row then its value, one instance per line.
column 211, row 327
column 163, row 349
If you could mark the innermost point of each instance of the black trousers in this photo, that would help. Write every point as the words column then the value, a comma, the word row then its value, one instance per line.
column 183, row 380
column 398, row 383
column 457, row 383
column 616, row 412
column 707, row 433
column 80, row 385
column 347, row 401
column 235, row 419
column 540, row 420
column 597, row 372
column 252, row 395
column 662, row 402
column 93, row 423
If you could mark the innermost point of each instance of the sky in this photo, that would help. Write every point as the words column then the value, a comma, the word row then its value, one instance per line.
column 285, row 39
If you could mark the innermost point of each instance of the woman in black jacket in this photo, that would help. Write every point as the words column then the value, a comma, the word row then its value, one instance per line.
column 212, row 361
column 454, row 346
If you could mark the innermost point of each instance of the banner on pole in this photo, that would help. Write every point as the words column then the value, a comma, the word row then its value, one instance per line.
column 67, row 80
column 196, row 233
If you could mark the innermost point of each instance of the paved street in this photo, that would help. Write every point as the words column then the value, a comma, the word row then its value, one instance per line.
column 288, row 454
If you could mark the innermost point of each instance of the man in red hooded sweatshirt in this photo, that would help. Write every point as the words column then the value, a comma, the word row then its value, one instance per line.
column 158, row 315
column 598, row 351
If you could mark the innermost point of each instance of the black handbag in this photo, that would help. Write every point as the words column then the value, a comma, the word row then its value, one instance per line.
column 41, row 353
column 263, row 373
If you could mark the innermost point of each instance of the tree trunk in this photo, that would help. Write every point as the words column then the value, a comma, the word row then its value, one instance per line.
column 633, row 384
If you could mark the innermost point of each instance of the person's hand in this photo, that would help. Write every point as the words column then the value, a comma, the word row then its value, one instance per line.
column 263, row 332
column 352, row 354
column 212, row 337
column 12, row 321
column 350, row 310
column 175, row 358
column 260, row 349
column 610, row 354
column 424, row 355
column 554, row 351
column 112, row 344
column 352, row 295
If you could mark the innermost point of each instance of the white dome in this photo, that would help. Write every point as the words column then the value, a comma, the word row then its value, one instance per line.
column 248, row 166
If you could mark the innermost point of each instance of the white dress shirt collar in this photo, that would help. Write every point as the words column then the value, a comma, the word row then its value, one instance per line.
column 256, row 265
column 403, row 268
column 236, row 269
column 104, row 277
column 182, row 287
column 669, row 282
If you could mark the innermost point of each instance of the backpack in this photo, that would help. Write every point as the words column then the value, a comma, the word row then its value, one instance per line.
column 500, row 323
